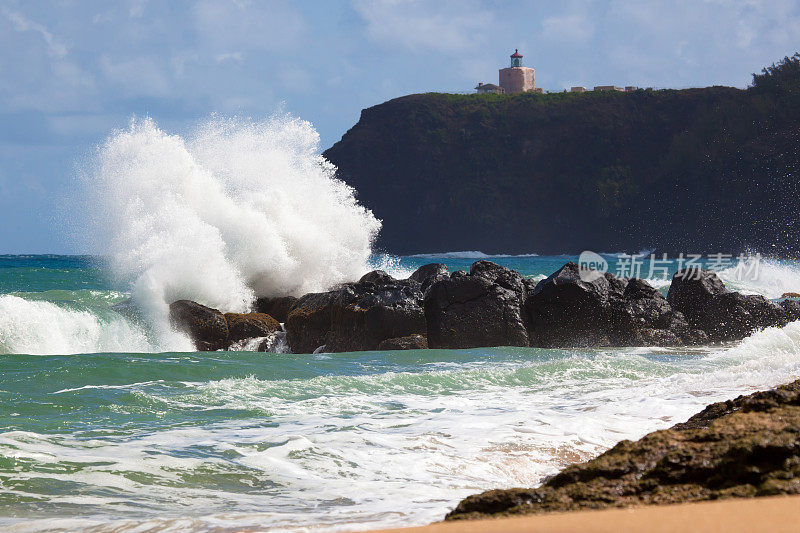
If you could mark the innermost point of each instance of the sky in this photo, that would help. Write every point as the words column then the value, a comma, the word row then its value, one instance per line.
column 73, row 70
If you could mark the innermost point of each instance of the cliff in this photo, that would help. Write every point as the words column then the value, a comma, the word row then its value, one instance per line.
column 694, row 170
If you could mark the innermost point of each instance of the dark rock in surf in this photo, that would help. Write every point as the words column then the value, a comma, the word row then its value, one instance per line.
column 792, row 309
column 724, row 315
column 739, row 448
column 242, row 326
column 411, row 342
column 357, row 316
column 309, row 321
column 278, row 308
column 564, row 310
column 427, row 275
column 600, row 309
column 207, row 327
column 375, row 309
column 482, row 308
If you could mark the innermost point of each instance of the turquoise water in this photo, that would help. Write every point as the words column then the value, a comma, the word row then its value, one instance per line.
column 101, row 430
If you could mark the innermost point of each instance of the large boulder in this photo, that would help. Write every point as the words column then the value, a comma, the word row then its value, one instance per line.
column 482, row 308
column 792, row 309
column 644, row 317
column 376, row 308
column 278, row 308
column 724, row 315
column 566, row 310
column 309, row 321
column 427, row 275
column 376, row 311
column 243, row 326
column 207, row 327
column 574, row 308
column 411, row 342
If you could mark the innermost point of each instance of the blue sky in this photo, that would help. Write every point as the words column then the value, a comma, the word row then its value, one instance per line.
column 71, row 71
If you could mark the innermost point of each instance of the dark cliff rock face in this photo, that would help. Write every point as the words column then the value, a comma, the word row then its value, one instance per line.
column 560, row 173
column 602, row 310
column 724, row 315
column 205, row 326
column 482, row 308
column 745, row 447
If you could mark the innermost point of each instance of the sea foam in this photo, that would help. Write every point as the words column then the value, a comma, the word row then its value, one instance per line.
column 235, row 210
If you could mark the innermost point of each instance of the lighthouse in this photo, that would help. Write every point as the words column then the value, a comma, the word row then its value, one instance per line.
column 516, row 78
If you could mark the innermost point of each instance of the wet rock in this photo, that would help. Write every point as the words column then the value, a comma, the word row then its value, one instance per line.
column 411, row 342
column 482, row 308
column 357, row 316
column 724, row 315
column 564, row 310
column 375, row 309
column 377, row 277
column 792, row 309
column 567, row 310
column 427, row 275
column 309, row 321
column 278, row 308
column 243, row 326
column 274, row 343
column 206, row 327
column 745, row 447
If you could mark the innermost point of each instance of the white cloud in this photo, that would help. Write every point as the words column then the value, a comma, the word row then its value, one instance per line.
column 236, row 57
column 54, row 47
column 245, row 25
column 137, row 76
column 444, row 26
column 575, row 27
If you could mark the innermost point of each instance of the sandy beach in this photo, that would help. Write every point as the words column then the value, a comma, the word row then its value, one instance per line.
column 774, row 514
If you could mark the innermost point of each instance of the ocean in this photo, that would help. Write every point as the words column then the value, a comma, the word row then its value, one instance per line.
column 108, row 422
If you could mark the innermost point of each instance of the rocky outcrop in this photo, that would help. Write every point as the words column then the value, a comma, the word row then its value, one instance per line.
column 722, row 314
column 278, row 308
column 377, row 308
column 411, row 342
column 494, row 306
column 568, row 310
column 745, row 447
column 242, row 326
column 792, row 309
column 206, row 327
column 309, row 322
column 362, row 315
column 482, row 308
column 427, row 275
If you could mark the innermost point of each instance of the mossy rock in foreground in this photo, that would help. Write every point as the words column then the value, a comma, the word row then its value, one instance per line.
column 745, row 447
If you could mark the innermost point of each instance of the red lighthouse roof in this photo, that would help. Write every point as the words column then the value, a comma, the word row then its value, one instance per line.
column 516, row 53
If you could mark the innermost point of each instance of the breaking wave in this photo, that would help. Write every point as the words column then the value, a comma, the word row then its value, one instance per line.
column 235, row 210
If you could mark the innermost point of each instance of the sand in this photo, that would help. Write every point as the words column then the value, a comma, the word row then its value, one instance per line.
column 772, row 515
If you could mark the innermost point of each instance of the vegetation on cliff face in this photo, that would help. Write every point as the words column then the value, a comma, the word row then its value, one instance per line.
column 745, row 447
column 694, row 170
